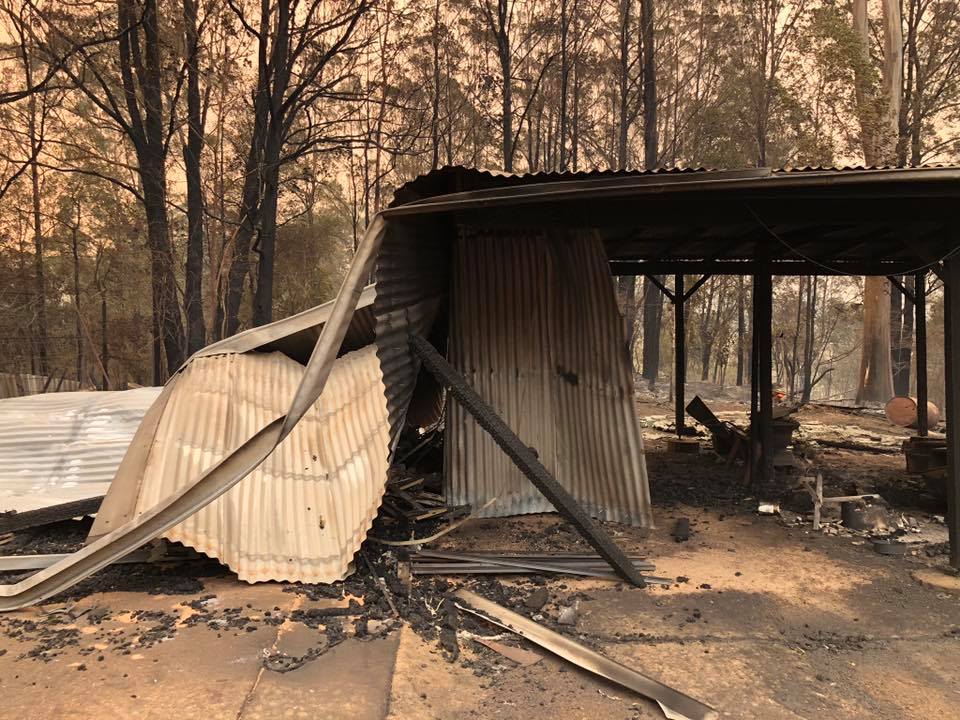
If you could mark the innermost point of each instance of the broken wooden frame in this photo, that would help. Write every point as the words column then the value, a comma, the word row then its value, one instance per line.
column 815, row 490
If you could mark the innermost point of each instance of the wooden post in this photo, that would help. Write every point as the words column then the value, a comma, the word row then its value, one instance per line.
column 761, row 429
column 951, row 322
column 920, row 361
column 679, row 354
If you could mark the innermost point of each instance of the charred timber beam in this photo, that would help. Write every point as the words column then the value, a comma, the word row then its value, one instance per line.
column 679, row 353
column 525, row 459
column 49, row 515
column 747, row 266
column 663, row 288
column 951, row 322
column 920, row 331
column 904, row 290
column 761, row 425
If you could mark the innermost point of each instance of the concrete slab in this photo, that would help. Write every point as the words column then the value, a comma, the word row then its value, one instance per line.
column 351, row 681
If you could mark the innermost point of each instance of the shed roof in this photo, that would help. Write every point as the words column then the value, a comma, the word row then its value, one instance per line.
column 816, row 220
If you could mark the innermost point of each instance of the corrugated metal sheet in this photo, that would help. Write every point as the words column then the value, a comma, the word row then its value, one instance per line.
column 296, row 335
column 535, row 329
column 304, row 512
column 60, row 447
column 19, row 384
column 457, row 179
column 412, row 278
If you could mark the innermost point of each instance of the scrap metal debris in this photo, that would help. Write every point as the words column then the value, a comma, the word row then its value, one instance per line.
column 675, row 704
column 521, row 657
column 458, row 563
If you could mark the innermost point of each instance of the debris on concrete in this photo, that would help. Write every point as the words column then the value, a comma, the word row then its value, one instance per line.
column 569, row 614
column 537, row 599
column 674, row 704
column 523, row 658
column 431, row 562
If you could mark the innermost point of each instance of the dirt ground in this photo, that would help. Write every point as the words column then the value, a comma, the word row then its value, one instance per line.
column 765, row 619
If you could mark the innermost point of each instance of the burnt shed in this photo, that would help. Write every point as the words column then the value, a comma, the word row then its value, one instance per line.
column 456, row 223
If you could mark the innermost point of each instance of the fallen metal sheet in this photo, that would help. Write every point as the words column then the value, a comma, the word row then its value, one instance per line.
column 297, row 335
column 411, row 287
column 230, row 470
column 556, row 371
column 303, row 513
column 521, row 657
column 525, row 459
column 61, row 447
column 465, row 568
column 675, row 705
column 12, row 563
column 14, row 385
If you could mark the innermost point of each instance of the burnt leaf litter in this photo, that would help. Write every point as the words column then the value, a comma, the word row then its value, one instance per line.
column 360, row 607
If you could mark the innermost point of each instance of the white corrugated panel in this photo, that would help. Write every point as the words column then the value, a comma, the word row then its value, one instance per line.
column 19, row 384
column 535, row 330
column 303, row 513
column 60, row 447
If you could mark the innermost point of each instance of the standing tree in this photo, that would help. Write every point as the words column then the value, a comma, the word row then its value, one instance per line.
column 192, row 149
column 304, row 59
column 878, row 106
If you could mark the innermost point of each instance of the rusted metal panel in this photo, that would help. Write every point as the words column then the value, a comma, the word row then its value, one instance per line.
column 535, row 329
column 60, row 447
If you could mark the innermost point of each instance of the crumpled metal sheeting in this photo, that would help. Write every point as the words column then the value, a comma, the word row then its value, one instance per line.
column 301, row 515
column 412, row 279
column 22, row 384
column 297, row 335
column 60, row 447
column 536, row 332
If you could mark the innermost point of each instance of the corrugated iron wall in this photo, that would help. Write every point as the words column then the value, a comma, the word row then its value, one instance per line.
column 412, row 278
column 535, row 329
column 304, row 512
column 60, row 447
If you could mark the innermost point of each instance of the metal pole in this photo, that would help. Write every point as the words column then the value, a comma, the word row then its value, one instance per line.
column 679, row 353
column 754, row 466
column 951, row 323
column 920, row 321
column 763, row 339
